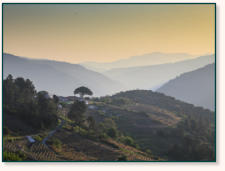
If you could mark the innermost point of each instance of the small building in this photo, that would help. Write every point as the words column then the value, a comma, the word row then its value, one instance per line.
column 92, row 107
column 30, row 139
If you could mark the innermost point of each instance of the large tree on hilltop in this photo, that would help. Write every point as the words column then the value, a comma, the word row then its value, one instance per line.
column 83, row 91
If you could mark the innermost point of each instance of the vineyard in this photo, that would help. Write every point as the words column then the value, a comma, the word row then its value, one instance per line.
column 74, row 147
column 41, row 152
column 33, row 152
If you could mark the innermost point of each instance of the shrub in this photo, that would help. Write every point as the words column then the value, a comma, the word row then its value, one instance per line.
column 83, row 132
column 112, row 132
column 128, row 141
column 38, row 138
column 122, row 158
column 76, row 129
column 103, row 136
column 149, row 151
column 10, row 156
column 55, row 143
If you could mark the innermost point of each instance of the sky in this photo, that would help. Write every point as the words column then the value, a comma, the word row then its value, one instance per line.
column 103, row 33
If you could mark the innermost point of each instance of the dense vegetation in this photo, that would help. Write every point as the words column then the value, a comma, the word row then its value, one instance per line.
column 21, row 102
column 195, row 140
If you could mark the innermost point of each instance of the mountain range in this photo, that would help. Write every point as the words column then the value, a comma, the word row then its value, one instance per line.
column 196, row 87
column 62, row 78
column 58, row 78
column 151, row 77
column 154, row 58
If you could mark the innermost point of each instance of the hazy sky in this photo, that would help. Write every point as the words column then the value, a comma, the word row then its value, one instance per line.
column 103, row 33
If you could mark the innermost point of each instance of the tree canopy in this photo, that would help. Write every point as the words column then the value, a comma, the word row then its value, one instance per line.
column 77, row 111
column 83, row 91
column 21, row 102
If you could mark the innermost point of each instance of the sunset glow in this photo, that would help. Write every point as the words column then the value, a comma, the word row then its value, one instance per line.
column 103, row 33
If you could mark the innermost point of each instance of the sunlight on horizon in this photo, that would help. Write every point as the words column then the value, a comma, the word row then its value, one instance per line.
column 104, row 33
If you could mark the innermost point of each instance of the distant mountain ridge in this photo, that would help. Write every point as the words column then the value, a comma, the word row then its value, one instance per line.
column 155, row 58
column 62, row 78
column 149, row 77
column 196, row 87
column 58, row 78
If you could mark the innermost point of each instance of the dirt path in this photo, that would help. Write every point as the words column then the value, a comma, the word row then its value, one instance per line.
column 51, row 133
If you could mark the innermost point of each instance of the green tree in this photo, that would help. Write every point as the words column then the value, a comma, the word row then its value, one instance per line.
column 77, row 111
column 20, row 100
column 47, row 110
column 110, row 127
column 128, row 141
column 55, row 99
column 91, row 123
column 8, row 90
column 112, row 132
column 25, row 90
column 83, row 91
column 109, row 123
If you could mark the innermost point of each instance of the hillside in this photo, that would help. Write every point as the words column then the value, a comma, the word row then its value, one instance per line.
column 151, row 77
column 58, row 77
column 195, row 87
column 68, row 145
column 36, row 128
column 155, row 58
column 138, row 125
column 159, row 123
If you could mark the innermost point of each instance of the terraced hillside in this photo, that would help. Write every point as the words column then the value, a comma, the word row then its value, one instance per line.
column 155, row 121
column 74, row 147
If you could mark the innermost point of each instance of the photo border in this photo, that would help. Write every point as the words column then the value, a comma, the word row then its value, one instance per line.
column 116, row 3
